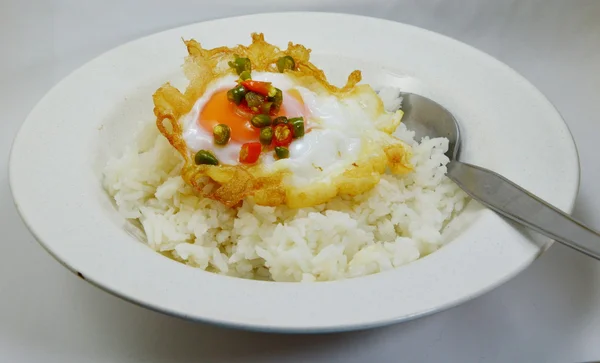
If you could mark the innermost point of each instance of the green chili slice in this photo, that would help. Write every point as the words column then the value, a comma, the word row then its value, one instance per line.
column 245, row 75
column 277, row 99
column 221, row 133
column 266, row 135
column 260, row 121
column 240, row 64
column 237, row 94
column 297, row 126
column 282, row 152
column 205, row 157
column 285, row 63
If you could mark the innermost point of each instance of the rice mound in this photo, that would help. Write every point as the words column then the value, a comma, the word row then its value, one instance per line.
column 395, row 223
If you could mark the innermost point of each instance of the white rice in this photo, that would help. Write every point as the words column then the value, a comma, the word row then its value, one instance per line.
column 395, row 223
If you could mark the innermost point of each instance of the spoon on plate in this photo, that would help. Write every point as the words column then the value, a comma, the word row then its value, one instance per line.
column 428, row 118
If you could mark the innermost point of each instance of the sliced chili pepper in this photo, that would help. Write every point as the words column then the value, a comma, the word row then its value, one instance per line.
column 260, row 121
column 245, row 75
column 236, row 94
column 250, row 152
column 255, row 104
column 297, row 124
column 282, row 135
column 266, row 135
column 265, row 108
column 277, row 100
column 286, row 62
column 254, row 99
column 240, row 64
column 263, row 88
column 205, row 157
column 282, row 152
column 222, row 134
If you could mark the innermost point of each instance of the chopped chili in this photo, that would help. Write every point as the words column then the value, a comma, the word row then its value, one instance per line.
column 263, row 88
column 266, row 135
column 250, row 152
column 236, row 94
column 205, row 157
column 277, row 100
column 240, row 64
column 254, row 99
column 297, row 124
column 245, row 75
column 222, row 134
column 282, row 152
column 282, row 135
column 286, row 62
column 260, row 121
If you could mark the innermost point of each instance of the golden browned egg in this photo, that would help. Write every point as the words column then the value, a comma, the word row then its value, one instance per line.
column 260, row 122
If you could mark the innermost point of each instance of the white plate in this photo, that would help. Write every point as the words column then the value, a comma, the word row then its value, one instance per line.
column 509, row 126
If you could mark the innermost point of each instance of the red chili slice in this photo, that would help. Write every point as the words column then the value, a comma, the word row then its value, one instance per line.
column 264, row 88
column 282, row 135
column 250, row 152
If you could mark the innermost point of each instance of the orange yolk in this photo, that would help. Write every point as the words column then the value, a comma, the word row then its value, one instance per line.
column 219, row 110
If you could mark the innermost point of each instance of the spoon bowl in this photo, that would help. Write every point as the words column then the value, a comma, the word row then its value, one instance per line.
column 428, row 118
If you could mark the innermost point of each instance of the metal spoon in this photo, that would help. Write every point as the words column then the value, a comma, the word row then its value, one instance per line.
column 428, row 118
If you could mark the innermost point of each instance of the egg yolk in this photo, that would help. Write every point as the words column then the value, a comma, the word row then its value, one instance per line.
column 219, row 110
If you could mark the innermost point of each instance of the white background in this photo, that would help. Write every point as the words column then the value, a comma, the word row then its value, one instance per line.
column 549, row 313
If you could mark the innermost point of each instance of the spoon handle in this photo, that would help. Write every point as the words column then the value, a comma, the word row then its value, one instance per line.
column 510, row 200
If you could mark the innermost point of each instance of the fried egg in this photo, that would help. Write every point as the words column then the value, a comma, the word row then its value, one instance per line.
column 346, row 146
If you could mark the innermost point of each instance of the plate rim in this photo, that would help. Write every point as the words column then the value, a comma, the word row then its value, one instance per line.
column 272, row 327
